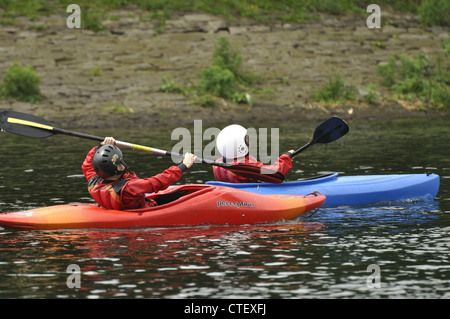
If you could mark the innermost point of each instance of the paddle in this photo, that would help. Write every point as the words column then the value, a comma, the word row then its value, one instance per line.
column 32, row 126
column 327, row 132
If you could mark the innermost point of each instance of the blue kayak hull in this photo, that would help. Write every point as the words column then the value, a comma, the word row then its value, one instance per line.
column 353, row 190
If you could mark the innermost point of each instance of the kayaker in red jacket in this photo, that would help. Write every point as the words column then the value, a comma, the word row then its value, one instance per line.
column 232, row 143
column 113, row 187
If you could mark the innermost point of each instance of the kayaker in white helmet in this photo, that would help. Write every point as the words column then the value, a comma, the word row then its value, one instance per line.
column 113, row 187
column 233, row 144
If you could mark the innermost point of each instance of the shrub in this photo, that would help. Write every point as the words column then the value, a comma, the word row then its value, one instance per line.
column 434, row 12
column 170, row 86
column 388, row 71
column 21, row 83
column 224, row 77
column 416, row 78
column 227, row 57
column 446, row 45
column 91, row 19
column 218, row 81
column 336, row 90
column 438, row 94
column 372, row 97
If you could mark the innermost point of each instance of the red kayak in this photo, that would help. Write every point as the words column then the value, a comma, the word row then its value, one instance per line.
column 186, row 205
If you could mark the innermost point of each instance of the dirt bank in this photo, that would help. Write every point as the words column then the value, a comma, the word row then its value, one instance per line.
column 110, row 78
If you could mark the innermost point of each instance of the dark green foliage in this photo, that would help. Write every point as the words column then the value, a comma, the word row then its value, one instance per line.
column 413, row 78
column 435, row 12
column 21, row 83
column 336, row 90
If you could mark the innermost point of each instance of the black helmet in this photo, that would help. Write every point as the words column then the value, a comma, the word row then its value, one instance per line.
column 106, row 159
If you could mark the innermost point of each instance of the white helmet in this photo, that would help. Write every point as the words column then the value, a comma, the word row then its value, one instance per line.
column 231, row 142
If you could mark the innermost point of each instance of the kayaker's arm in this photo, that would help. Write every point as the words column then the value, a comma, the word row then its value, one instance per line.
column 283, row 164
column 188, row 160
column 141, row 186
column 88, row 169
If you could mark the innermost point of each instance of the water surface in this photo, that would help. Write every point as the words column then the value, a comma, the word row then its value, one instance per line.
column 326, row 256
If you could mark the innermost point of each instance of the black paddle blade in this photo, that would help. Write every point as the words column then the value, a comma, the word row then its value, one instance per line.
column 256, row 174
column 330, row 130
column 24, row 130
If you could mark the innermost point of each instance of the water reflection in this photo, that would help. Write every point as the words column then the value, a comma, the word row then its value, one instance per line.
column 152, row 258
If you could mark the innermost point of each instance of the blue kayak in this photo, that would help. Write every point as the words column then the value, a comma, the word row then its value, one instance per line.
column 353, row 190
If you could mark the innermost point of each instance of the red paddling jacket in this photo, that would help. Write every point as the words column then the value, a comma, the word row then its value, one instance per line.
column 282, row 165
column 129, row 191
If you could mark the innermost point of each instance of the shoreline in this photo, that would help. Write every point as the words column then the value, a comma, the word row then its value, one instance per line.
column 110, row 78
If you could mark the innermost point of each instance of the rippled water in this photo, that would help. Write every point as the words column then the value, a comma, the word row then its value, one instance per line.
column 329, row 255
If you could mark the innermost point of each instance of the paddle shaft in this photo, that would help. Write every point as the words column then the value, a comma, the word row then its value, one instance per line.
column 33, row 126
column 333, row 125
column 327, row 132
column 301, row 149
column 56, row 130
column 36, row 127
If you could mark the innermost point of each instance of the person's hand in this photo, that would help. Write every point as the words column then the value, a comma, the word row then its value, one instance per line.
column 109, row 141
column 189, row 159
column 291, row 151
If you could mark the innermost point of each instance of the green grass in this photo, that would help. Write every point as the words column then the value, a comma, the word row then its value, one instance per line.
column 335, row 90
column 435, row 12
column 446, row 46
column 417, row 78
column 170, row 86
column 371, row 97
column 431, row 12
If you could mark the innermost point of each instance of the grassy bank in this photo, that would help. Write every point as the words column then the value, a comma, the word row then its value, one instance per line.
column 430, row 12
column 396, row 70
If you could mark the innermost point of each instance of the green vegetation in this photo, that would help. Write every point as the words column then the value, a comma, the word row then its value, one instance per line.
column 170, row 86
column 434, row 12
column 410, row 78
column 335, row 90
column 92, row 19
column 372, row 97
column 446, row 46
column 218, row 81
column 417, row 78
column 20, row 83
column 97, row 71
column 224, row 78
column 431, row 12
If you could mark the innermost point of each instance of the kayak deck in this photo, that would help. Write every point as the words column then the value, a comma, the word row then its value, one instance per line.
column 198, row 204
column 353, row 190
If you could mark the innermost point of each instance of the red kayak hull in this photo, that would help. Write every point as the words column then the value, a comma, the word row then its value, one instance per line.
column 202, row 204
